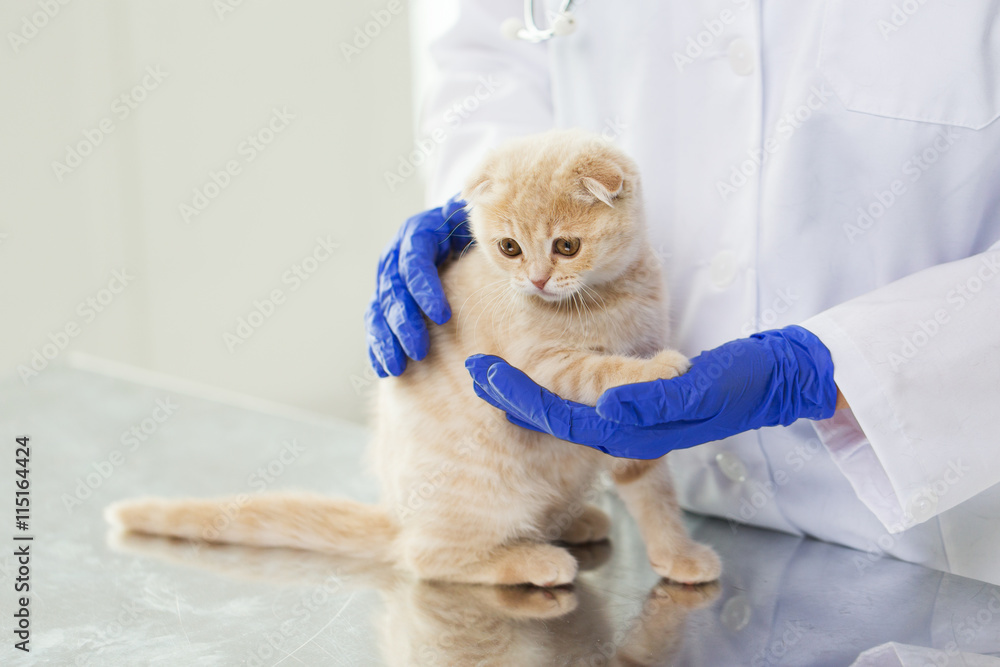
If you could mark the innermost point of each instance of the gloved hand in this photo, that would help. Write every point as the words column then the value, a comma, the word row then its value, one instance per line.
column 771, row 378
column 408, row 283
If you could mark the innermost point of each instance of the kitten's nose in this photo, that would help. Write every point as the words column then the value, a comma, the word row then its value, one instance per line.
column 540, row 284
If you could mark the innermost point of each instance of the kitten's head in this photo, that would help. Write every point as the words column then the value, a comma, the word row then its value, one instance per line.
column 557, row 212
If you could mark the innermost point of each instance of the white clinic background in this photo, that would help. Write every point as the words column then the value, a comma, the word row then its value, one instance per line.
column 322, row 176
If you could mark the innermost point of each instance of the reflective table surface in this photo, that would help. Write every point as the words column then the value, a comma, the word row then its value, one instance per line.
column 102, row 599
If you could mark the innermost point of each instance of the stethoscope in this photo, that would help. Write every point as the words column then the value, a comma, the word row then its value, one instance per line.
column 561, row 24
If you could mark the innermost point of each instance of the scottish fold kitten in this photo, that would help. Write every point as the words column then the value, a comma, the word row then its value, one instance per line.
column 562, row 283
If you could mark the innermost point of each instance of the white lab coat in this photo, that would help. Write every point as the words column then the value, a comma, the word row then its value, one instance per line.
column 830, row 163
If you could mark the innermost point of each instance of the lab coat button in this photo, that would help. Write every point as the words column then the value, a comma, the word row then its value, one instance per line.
column 741, row 57
column 736, row 613
column 922, row 507
column 723, row 269
column 731, row 466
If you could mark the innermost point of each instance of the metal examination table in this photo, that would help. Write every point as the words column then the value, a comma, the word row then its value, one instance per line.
column 101, row 600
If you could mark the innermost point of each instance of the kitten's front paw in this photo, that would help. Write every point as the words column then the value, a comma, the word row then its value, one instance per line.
column 696, row 564
column 670, row 364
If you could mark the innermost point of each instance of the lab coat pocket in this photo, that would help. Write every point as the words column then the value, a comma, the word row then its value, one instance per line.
column 934, row 61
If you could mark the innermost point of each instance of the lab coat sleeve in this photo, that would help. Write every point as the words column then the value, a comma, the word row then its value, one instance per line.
column 484, row 89
column 919, row 363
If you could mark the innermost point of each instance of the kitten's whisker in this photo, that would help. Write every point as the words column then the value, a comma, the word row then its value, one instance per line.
column 588, row 312
column 603, row 306
column 457, row 227
column 596, row 294
column 568, row 317
column 453, row 233
column 494, row 295
column 493, row 290
column 453, row 214
column 508, row 314
column 476, row 292
column 494, row 305
column 465, row 250
column 579, row 312
column 512, row 303
column 492, row 287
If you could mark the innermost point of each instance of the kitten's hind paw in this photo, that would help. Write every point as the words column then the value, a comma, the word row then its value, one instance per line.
column 534, row 603
column 591, row 555
column 592, row 525
column 543, row 565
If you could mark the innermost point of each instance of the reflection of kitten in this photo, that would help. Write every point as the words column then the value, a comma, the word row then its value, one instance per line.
column 433, row 623
column 562, row 283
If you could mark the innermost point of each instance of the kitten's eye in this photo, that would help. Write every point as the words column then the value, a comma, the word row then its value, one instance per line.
column 509, row 247
column 567, row 247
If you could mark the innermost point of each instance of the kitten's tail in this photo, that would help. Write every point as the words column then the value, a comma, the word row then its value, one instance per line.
column 300, row 521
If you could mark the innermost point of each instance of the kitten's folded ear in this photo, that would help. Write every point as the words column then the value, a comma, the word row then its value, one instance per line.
column 480, row 182
column 476, row 188
column 601, row 179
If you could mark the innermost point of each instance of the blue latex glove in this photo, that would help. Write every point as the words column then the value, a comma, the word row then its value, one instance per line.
column 771, row 378
column 408, row 286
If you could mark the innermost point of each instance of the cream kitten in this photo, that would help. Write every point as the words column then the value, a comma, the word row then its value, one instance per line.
column 562, row 283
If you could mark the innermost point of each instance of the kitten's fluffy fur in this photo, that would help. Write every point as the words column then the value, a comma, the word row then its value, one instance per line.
column 468, row 496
